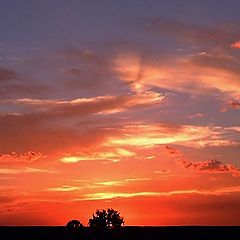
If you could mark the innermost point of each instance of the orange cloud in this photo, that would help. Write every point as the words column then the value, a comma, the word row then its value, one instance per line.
column 63, row 188
column 214, row 166
column 202, row 72
column 121, row 182
column 140, row 135
column 114, row 195
column 25, row 170
column 234, row 128
column 236, row 45
column 128, row 140
column 24, row 157
column 113, row 155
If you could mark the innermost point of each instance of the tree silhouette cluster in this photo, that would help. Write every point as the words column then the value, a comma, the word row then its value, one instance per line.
column 106, row 219
column 74, row 224
column 101, row 219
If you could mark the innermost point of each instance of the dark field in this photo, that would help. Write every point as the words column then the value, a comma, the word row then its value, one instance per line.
column 125, row 233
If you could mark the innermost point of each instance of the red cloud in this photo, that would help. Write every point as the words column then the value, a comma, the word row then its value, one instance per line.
column 236, row 45
column 210, row 166
column 234, row 104
column 173, row 151
column 16, row 157
column 205, row 166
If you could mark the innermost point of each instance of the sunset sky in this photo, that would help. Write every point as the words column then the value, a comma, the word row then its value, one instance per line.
column 131, row 104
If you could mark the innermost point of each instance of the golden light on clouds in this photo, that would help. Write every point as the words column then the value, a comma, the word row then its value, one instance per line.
column 188, row 135
column 192, row 74
column 63, row 188
column 114, row 156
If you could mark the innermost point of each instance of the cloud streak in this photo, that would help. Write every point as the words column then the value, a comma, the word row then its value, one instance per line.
column 25, row 170
column 84, row 106
column 113, row 155
column 214, row 166
column 115, row 195
column 143, row 135
column 27, row 157
column 63, row 188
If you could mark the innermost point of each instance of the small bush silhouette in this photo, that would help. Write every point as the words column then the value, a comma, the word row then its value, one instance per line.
column 106, row 219
column 74, row 224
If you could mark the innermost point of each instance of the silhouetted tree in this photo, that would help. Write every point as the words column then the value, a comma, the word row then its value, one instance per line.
column 74, row 224
column 106, row 219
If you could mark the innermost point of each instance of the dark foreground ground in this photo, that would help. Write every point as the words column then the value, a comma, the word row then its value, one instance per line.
column 125, row 233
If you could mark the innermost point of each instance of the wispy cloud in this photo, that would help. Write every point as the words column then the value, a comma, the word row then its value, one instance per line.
column 84, row 106
column 197, row 115
column 113, row 155
column 187, row 135
column 111, row 195
column 114, row 195
column 25, row 170
column 63, row 188
column 121, row 182
column 210, row 166
column 127, row 141
column 21, row 157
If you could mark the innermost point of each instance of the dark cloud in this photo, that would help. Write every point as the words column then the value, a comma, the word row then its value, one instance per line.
column 210, row 166
column 73, row 71
column 13, row 85
column 234, row 104
column 214, row 165
column 172, row 151
column 6, row 74
column 27, row 157
column 18, row 89
column 231, row 104
column 86, row 70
